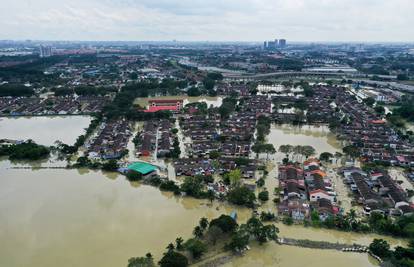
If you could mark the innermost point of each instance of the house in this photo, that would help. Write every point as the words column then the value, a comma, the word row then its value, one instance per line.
column 145, row 169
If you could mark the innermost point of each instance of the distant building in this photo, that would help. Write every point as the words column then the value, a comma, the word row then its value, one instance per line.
column 45, row 51
column 275, row 44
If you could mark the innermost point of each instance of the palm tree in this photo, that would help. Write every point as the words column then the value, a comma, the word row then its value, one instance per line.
column 198, row 232
column 170, row 247
column 203, row 223
column 351, row 218
column 179, row 243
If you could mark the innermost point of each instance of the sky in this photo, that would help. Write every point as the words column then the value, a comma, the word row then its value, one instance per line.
column 208, row 20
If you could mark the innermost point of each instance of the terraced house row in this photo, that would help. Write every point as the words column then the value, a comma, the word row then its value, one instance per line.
column 307, row 189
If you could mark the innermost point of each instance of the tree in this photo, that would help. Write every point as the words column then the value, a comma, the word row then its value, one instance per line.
column 170, row 247
column 241, row 196
column 111, row 165
column 214, row 233
column 173, row 259
column 380, row 247
column 261, row 232
column 325, row 156
column 209, row 84
column 402, row 77
column 193, row 91
column 235, row 176
column 369, row 101
column 203, row 223
column 351, row 151
column 264, row 196
column 146, row 261
column 215, row 155
column 133, row 176
column 379, row 109
column 225, row 223
column 239, row 241
column 179, row 243
column 198, row 232
column 260, row 182
column 192, row 186
column 196, row 247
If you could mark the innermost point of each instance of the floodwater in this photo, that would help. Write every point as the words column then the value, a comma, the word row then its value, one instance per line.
column 44, row 130
column 84, row 218
column 91, row 218
column 87, row 218
column 320, row 137
column 272, row 254
column 215, row 101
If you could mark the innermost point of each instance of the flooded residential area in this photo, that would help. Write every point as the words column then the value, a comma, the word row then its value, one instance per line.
column 174, row 155
column 73, row 216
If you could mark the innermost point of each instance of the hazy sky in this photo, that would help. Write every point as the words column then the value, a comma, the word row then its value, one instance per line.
column 215, row 20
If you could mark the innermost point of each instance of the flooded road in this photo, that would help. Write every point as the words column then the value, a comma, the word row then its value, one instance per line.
column 44, row 130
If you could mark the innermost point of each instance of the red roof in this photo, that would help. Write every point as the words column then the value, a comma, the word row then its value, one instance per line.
column 165, row 101
column 159, row 108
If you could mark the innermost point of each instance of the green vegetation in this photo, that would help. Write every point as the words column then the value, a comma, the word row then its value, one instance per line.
column 267, row 216
column 111, row 165
column 227, row 107
column 406, row 108
column 194, row 91
column 196, row 247
column 399, row 257
column 380, row 248
column 253, row 228
column 84, row 91
column 263, row 128
column 15, row 90
column 263, row 196
column 173, row 259
column 193, row 186
column 351, row 151
column 225, row 223
column 326, row 156
column 241, row 195
column 25, row 151
column 146, row 261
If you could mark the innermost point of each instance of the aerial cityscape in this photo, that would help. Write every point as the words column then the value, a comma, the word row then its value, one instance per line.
column 186, row 133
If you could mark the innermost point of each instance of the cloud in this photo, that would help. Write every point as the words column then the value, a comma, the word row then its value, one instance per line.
column 217, row 20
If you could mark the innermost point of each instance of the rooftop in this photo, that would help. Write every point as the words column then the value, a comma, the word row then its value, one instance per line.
column 142, row 167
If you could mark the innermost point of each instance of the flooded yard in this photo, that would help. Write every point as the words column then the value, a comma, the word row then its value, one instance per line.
column 44, row 130
column 319, row 137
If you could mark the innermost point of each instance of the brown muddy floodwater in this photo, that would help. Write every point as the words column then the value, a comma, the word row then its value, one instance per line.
column 320, row 137
column 44, row 130
column 51, row 217
column 85, row 218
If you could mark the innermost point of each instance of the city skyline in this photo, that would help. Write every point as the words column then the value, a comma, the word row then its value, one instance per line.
column 251, row 21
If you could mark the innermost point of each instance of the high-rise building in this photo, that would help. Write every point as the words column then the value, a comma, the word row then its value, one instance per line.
column 273, row 45
column 45, row 51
